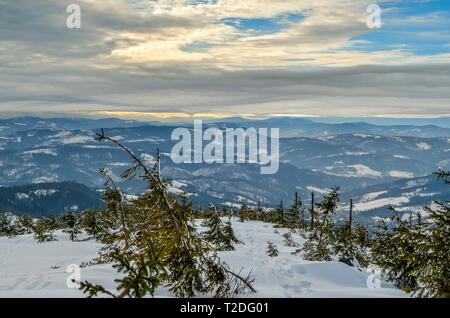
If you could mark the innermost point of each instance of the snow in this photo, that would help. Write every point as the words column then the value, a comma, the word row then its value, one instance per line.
column 76, row 140
column 379, row 203
column 45, row 179
column 357, row 153
column 401, row 174
column 119, row 164
column 44, row 192
column 22, row 196
column 30, row 269
column 317, row 190
column 43, row 151
column 150, row 139
column 365, row 171
column 423, row 146
column 176, row 187
column 372, row 196
column 148, row 159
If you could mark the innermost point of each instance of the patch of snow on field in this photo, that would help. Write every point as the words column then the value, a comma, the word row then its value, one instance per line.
column 42, row 151
column 401, row 157
column 44, row 192
column 317, row 190
column 401, row 174
column 77, row 140
column 372, row 196
column 370, row 205
column 423, row 146
column 22, row 196
column 29, row 269
column 365, row 171
column 45, row 179
column 357, row 153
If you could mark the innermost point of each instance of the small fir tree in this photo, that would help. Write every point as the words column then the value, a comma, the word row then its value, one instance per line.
column 271, row 250
column 71, row 225
column 42, row 232
column 25, row 224
column 158, row 246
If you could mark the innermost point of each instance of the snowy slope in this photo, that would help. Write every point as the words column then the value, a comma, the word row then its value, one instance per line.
column 29, row 269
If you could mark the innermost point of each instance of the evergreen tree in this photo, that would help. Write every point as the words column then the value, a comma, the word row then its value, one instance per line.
column 219, row 233
column 53, row 222
column 5, row 224
column 71, row 225
column 42, row 231
column 25, row 224
column 246, row 213
column 312, row 212
column 392, row 249
column 279, row 211
column 288, row 240
column 416, row 254
column 297, row 212
column 319, row 243
column 259, row 211
column 271, row 250
column 158, row 246
column 90, row 222
column 343, row 245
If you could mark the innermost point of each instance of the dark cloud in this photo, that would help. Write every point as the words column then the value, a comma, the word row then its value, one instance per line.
column 46, row 67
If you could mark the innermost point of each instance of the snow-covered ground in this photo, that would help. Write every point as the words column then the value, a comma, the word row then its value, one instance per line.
column 29, row 269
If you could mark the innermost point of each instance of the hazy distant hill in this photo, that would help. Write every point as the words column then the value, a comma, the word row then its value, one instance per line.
column 356, row 160
column 48, row 198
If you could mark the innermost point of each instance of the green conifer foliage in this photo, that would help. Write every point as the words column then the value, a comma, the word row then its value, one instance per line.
column 219, row 233
column 416, row 254
column 319, row 244
column 91, row 223
column 272, row 250
column 25, row 224
column 71, row 225
column 280, row 213
column 6, row 226
column 246, row 213
column 159, row 246
column 42, row 231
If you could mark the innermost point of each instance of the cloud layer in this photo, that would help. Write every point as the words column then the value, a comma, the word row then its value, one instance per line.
column 225, row 57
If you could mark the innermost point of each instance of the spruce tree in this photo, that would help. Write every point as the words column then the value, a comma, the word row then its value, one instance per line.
column 5, row 224
column 246, row 213
column 71, row 225
column 280, row 212
column 271, row 250
column 53, row 222
column 42, row 231
column 319, row 243
column 159, row 245
column 219, row 233
column 297, row 212
column 416, row 254
column 259, row 211
column 90, row 222
column 25, row 224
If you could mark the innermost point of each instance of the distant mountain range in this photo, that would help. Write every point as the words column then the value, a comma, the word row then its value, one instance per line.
column 49, row 198
column 359, row 157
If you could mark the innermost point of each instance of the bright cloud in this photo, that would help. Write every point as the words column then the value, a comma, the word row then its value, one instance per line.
column 225, row 56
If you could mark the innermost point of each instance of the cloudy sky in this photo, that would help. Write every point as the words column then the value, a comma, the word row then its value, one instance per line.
column 215, row 58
